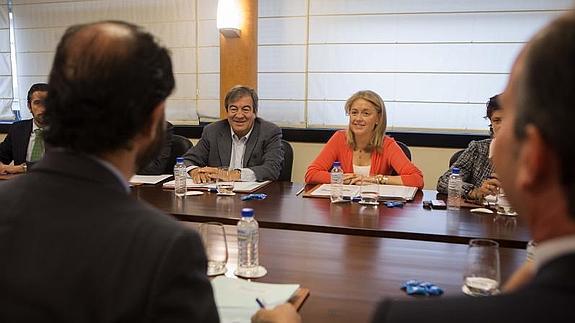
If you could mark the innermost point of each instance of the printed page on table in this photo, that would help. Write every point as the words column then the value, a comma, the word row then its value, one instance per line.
column 397, row 191
column 325, row 190
column 236, row 298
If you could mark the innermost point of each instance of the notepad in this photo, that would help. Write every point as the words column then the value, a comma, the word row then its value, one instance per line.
column 239, row 187
column 148, row 179
column 385, row 191
column 236, row 298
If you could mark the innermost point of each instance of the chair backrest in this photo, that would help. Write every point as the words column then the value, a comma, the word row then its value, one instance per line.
column 180, row 145
column 455, row 157
column 405, row 149
column 285, row 174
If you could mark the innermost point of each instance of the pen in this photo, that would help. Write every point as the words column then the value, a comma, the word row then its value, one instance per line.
column 260, row 303
column 301, row 190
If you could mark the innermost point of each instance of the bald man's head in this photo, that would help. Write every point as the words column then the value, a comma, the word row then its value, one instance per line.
column 106, row 79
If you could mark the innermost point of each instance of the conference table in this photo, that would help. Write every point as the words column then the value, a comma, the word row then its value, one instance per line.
column 350, row 256
column 284, row 209
column 348, row 274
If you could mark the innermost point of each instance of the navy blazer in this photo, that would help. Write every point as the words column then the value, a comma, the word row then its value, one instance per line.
column 548, row 298
column 15, row 145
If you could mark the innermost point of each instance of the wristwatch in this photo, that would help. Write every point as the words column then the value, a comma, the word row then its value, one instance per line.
column 382, row 179
column 24, row 167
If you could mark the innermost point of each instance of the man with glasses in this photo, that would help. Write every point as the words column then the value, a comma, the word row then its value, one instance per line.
column 247, row 144
column 24, row 143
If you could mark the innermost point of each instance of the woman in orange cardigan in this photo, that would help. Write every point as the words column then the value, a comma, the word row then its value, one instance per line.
column 364, row 151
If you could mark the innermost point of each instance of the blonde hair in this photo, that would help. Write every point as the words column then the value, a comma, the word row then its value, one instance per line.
column 379, row 132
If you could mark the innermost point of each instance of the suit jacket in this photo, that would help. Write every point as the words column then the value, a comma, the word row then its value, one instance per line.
column 159, row 164
column 15, row 145
column 548, row 298
column 76, row 247
column 263, row 154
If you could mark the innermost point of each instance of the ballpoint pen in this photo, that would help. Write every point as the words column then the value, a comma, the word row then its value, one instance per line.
column 260, row 303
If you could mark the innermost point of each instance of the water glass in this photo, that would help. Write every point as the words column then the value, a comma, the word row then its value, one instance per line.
column 481, row 276
column 215, row 243
column 224, row 183
column 503, row 206
column 368, row 192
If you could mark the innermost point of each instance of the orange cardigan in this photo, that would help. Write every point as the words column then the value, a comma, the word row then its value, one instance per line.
column 390, row 158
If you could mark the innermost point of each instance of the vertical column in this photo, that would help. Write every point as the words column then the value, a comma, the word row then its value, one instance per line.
column 239, row 56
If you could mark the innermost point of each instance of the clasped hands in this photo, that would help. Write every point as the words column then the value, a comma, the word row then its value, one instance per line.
column 489, row 186
column 202, row 175
column 355, row 179
column 11, row 169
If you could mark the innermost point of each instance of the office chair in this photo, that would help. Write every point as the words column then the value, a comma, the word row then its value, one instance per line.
column 285, row 174
column 180, row 145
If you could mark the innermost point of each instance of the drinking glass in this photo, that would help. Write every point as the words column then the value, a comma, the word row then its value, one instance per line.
column 224, row 183
column 369, row 192
column 503, row 206
column 481, row 276
column 215, row 243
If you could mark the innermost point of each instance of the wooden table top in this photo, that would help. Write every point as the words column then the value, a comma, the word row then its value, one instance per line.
column 347, row 275
column 282, row 209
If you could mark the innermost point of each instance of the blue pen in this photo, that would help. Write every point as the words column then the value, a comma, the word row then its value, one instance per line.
column 260, row 303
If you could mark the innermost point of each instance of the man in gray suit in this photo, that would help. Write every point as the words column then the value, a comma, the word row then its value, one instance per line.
column 246, row 144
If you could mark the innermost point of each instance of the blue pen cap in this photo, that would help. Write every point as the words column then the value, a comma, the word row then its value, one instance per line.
column 179, row 159
column 247, row 212
column 455, row 170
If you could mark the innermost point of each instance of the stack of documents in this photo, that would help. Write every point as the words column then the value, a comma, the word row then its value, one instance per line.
column 236, row 298
column 239, row 187
column 385, row 191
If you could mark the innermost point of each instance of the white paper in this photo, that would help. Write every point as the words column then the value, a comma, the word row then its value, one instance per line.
column 239, row 187
column 148, row 179
column 389, row 191
column 236, row 298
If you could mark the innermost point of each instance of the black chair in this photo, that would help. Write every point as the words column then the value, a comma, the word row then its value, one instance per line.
column 180, row 145
column 405, row 149
column 455, row 157
column 285, row 174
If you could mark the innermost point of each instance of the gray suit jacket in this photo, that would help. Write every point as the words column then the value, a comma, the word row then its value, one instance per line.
column 263, row 155
column 76, row 247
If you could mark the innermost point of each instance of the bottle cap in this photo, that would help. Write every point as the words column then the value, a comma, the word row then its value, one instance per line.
column 179, row 159
column 336, row 164
column 455, row 170
column 247, row 212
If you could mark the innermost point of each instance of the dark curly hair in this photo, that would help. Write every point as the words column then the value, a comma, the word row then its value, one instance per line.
column 106, row 79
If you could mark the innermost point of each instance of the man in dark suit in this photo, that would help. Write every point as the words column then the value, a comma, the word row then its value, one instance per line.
column 247, row 144
column 24, row 143
column 75, row 246
column 534, row 156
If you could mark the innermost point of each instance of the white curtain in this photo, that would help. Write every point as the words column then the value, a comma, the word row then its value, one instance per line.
column 435, row 62
column 6, row 96
column 186, row 27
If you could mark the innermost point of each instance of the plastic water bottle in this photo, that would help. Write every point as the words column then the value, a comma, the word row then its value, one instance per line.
column 336, row 182
column 248, row 237
column 454, row 190
column 180, row 177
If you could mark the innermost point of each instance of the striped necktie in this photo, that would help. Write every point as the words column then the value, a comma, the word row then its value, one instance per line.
column 38, row 148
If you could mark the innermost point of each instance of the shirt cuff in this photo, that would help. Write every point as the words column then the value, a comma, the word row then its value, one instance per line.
column 247, row 175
